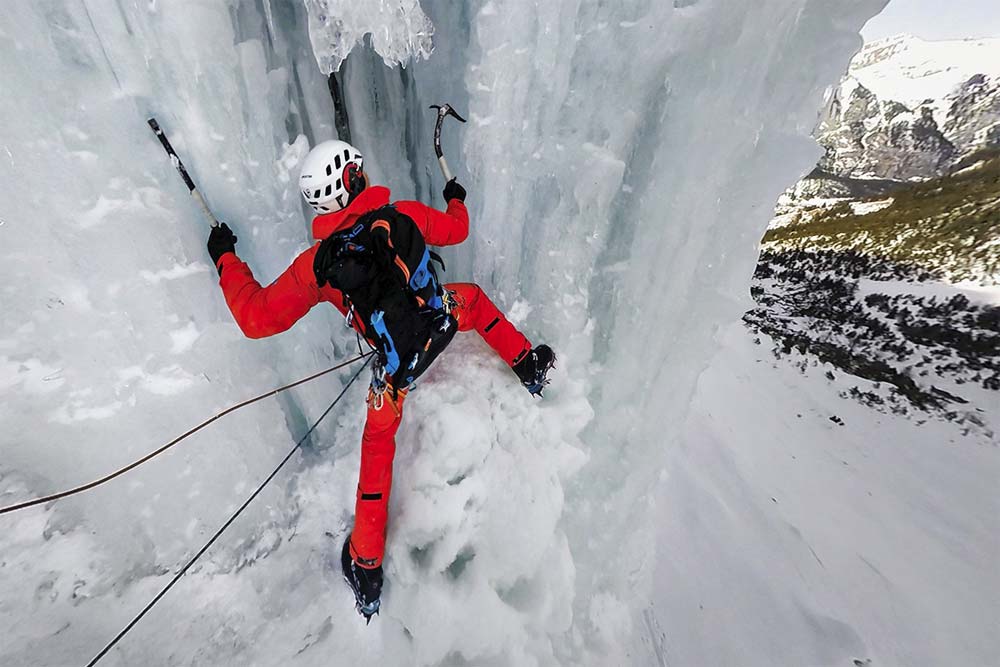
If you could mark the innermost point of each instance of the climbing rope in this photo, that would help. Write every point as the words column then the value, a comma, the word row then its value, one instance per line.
column 147, row 457
column 219, row 532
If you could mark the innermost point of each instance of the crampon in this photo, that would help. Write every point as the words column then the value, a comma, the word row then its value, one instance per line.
column 366, row 583
column 533, row 369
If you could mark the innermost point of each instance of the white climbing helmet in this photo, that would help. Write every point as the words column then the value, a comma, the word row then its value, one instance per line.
column 327, row 173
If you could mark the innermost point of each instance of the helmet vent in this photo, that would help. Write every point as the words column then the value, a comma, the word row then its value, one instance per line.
column 339, row 183
column 329, row 189
column 329, row 170
column 316, row 194
column 347, row 154
column 336, row 161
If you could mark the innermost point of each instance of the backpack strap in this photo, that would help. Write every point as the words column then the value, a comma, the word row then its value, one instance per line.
column 399, row 247
column 437, row 258
column 395, row 241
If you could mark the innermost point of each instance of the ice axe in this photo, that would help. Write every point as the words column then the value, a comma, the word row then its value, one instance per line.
column 443, row 110
column 179, row 166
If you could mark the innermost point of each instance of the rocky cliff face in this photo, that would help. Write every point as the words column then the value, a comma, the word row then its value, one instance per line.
column 910, row 109
column 974, row 113
column 858, row 266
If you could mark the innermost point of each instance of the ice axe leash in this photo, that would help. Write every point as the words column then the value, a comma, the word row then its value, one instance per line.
column 443, row 111
column 179, row 166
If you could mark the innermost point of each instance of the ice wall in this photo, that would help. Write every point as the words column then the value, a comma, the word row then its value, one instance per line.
column 621, row 159
column 113, row 335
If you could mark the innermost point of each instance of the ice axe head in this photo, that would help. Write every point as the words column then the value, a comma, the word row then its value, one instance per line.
column 445, row 110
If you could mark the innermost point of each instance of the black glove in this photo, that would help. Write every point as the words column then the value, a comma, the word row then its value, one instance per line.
column 452, row 190
column 221, row 241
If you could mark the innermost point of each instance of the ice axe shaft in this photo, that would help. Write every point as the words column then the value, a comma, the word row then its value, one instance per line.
column 443, row 111
column 179, row 166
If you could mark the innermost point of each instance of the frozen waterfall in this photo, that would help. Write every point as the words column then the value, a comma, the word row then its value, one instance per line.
column 622, row 160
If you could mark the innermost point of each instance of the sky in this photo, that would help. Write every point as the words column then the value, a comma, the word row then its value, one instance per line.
column 937, row 19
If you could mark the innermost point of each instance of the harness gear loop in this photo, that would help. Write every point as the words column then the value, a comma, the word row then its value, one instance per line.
column 395, row 400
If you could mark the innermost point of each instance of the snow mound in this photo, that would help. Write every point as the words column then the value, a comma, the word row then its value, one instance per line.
column 797, row 502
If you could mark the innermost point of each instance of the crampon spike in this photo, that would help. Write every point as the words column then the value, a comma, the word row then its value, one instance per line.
column 368, row 610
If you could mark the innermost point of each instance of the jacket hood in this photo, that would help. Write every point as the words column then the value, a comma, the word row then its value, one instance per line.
column 370, row 199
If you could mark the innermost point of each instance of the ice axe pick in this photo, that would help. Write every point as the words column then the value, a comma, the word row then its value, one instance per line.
column 443, row 110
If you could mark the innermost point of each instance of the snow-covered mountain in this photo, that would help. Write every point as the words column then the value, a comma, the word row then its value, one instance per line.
column 910, row 108
column 911, row 70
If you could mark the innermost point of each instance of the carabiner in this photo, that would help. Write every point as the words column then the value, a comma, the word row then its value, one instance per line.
column 448, row 301
column 376, row 398
column 376, row 394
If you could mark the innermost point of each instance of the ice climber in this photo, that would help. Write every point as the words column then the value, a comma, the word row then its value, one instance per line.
column 372, row 263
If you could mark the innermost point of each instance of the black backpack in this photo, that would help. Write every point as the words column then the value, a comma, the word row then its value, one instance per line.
column 383, row 267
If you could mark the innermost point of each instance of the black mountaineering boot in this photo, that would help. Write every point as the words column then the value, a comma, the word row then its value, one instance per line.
column 366, row 583
column 534, row 367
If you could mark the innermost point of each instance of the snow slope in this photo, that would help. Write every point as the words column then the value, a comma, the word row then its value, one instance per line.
column 622, row 161
column 816, row 543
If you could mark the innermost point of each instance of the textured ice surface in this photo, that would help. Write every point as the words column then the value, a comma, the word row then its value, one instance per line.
column 399, row 30
column 622, row 161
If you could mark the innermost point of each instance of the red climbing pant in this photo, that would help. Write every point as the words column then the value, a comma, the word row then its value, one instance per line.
column 473, row 310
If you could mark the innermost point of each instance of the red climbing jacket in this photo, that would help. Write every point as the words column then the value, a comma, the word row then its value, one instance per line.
column 265, row 311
